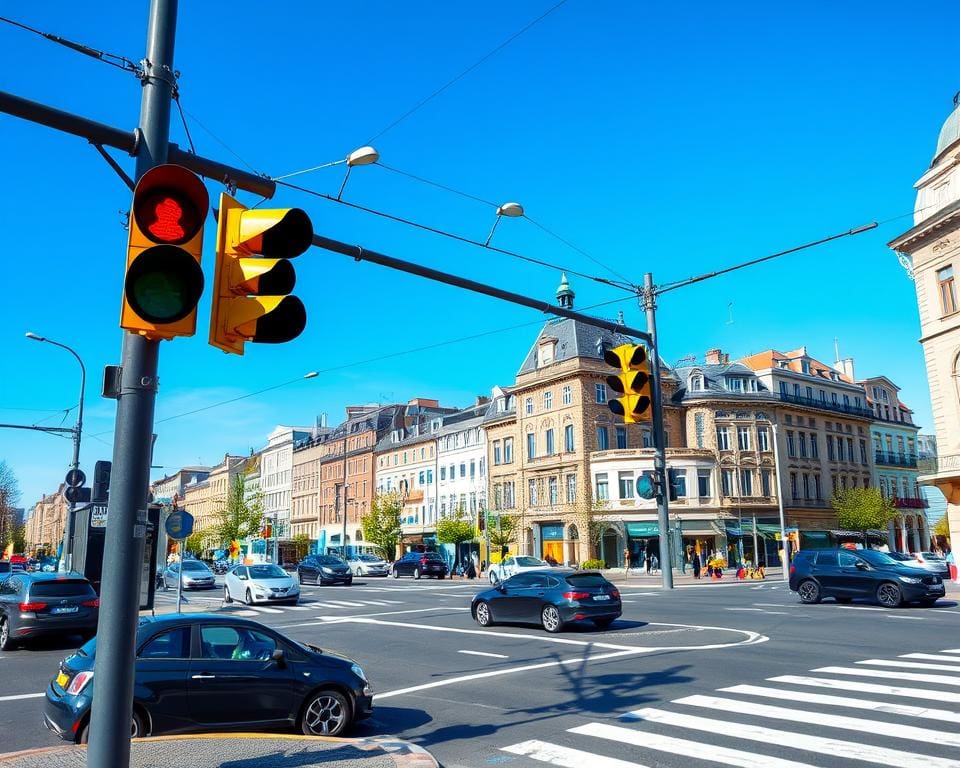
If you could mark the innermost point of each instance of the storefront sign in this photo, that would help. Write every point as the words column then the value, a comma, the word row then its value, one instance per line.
column 640, row 530
column 551, row 532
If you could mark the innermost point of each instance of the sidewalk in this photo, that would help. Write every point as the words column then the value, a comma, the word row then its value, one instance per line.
column 640, row 578
column 241, row 750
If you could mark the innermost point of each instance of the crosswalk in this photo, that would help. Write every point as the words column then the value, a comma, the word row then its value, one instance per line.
column 214, row 602
column 902, row 711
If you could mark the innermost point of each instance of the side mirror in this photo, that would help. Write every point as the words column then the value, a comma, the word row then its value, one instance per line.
column 862, row 566
column 277, row 656
column 501, row 588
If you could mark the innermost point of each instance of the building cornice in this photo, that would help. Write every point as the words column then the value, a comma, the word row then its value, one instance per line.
column 930, row 229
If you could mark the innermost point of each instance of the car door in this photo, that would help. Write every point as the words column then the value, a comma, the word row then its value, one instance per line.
column 826, row 570
column 163, row 665
column 233, row 679
column 404, row 565
column 856, row 577
column 236, row 582
column 529, row 599
column 309, row 570
column 507, row 601
column 508, row 568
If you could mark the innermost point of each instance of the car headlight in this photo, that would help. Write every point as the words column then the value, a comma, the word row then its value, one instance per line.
column 910, row 579
column 358, row 671
column 326, row 570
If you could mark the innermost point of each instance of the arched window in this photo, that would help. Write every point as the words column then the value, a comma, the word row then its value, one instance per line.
column 696, row 383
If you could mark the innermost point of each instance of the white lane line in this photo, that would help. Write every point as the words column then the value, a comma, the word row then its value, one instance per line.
column 952, row 650
column 565, row 757
column 639, row 594
column 674, row 746
column 943, row 610
column 856, row 685
column 484, row 653
column 297, row 608
column 381, row 602
column 22, row 696
column 862, row 725
column 848, row 750
column 858, row 608
column 907, row 618
column 759, row 610
column 773, row 605
column 345, row 619
column 345, row 604
column 895, row 674
column 910, row 664
column 262, row 609
column 931, row 657
column 906, row 710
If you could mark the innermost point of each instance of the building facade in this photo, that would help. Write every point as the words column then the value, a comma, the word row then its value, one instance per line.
column 276, row 476
column 406, row 463
column 462, row 463
column 205, row 498
column 46, row 523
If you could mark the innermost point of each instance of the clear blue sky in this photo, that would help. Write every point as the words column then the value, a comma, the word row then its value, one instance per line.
column 676, row 138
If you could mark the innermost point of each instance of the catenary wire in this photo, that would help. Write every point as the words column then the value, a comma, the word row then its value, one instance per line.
column 114, row 60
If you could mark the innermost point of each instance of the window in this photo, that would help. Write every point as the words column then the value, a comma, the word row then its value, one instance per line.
column 625, row 482
column 823, row 396
column 809, row 391
column 743, row 438
column 235, row 643
column 734, row 384
column 421, row 478
column 703, row 483
column 765, row 482
column 723, row 438
column 601, row 393
column 746, row 482
column 550, row 445
column 696, row 383
column 571, row 489
column 508, row 450
column 816, row 488
column 528, row 406
column 784, row 391
column 547, row 400
column 566, row 394
column 794, row 492
column 463, row 469
column 834, row 399
column 603, row 439
column 679, row 479
column 948, row 291
column 796, row 390
column 443, row 470
column 763, row 438
column 850, row 454
column 806, row 485
column 473, row 469
column 173, row 644
column 802, row 439
column 568, row 438
column 532, row 492
column 839, row 449
column 496, row 456
column 621, row 437
column 814, row 450
column 791, row 445
column 508, row 498
column 726, row 481
column 552, row 489
column 482, row 471
column 831, row 453
column 603, row 487
column 531, row 445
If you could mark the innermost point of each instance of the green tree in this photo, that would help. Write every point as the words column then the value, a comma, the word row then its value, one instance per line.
column 9, row 496
column 381, row 525
column 456, row 529
column 503, row 532
column 859, row 509
column 240, row 518
column 942, row 527
column 301, row 543
column 196, row 543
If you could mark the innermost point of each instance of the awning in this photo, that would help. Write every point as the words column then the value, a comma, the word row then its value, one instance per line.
column 642, row 529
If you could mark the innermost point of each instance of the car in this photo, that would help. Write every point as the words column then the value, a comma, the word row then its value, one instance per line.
column 199, row 673
column 932, row 562
column 511, row 566
column 844, row 574
column 196, row 575
column 261, row 583
column 419, row 564
column 549, row 599
column 324, row 569
column 368, row 565
column 37, row 604
column 5, row 569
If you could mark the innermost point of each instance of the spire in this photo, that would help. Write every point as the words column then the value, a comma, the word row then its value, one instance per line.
column 565, row 294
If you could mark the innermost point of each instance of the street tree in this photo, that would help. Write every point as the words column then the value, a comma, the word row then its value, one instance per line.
column 503, row 531
column 301, row 543
column 860, row 509
column 381, row 525
column 458, row 528
column 241, row 517
column 195, row 544
column 9, row 496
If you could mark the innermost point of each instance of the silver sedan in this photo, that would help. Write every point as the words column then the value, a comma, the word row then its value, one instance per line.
column 262, row 583
column 368, row 565
column 195, row 575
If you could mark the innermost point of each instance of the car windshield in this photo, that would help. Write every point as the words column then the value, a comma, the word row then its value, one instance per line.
column 899, row 556
column 930, row 556
column 193, row 565
column 329, row 560
column 874, row 557
column 369, row 558
column 267, row 572
column 530, row 562
column 432, row 556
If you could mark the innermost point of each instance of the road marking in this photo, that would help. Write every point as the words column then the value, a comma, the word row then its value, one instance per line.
column 297, row 608
column 931, row 656
column 908, row 618
column 943, row 610
column 484, row 653
column 675, row 746
column 858, row 608
column 262, row 609
column 772, row 605
column 853, row 685
column 22, row 696
column 345, row 603
column 906, row 710
column 896, row 674
column 564, row 756
column 745, row 609
column 325, row 620
column 862, row 725
column 952, row 650
column 910, row 664
column 848, row 750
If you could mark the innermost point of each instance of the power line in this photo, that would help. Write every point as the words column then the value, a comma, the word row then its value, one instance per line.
column 121, row 62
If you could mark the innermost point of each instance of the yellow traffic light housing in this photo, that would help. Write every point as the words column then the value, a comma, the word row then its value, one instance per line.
column 253, row 276
column 164, row 281
column 633, row 383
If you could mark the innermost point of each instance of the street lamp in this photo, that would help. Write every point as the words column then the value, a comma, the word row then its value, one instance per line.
column 362, row 156
column 67, row 547
column 510, row 210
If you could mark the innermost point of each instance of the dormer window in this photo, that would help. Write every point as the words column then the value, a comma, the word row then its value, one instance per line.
column 545, row 353
column 805, row 366
column 735, row 384
column 696, row 383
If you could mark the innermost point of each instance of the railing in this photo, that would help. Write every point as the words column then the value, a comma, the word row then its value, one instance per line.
column 825, row 405
column 895, row 459
column 812, row 503
column 911, row 503
column 936, row 465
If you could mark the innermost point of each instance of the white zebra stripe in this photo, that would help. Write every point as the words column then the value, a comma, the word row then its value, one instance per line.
column 910, row 665
column 564, row 756
column 856, row 685
column 894, row 674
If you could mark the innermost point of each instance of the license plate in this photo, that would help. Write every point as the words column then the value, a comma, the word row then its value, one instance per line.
column 64, row 609
column 62, row 679
column 601, row 597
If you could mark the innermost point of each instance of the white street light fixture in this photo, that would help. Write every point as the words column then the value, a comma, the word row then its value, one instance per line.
column 510, row 210
column 362, row 156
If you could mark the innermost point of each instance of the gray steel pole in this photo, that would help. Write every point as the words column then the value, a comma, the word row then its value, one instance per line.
column 785, row 545
column 133, row 434
column 660, row 456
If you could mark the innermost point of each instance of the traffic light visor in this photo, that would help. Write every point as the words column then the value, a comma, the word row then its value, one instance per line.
column 625, row 357
column 628, row 382
column 164, row 284
column 263, row 233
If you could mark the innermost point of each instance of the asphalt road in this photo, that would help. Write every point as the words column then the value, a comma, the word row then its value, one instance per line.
column 709, row 674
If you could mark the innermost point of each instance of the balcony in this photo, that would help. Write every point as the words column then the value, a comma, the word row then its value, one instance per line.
column 910, row 503
column 895, row 459
column 810, row 503
column 824, row 405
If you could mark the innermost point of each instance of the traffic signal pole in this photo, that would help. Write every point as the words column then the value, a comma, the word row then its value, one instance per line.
column 649, row 299
column 127, row 507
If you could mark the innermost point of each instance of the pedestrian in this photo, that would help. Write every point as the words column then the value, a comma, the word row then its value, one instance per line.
column 626, row 561
column 475, row 559
column 654, row 563
column 471, row 572
column 646, row 562
column 696, row 565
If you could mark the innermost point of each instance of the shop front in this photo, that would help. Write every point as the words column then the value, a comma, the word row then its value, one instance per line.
column 551, row 542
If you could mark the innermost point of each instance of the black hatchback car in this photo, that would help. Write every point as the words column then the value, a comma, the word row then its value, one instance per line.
column 844, row 574
column 324, row 569
column 37, row 604
column 419, row 564
column 199, row 672
column 549, row 599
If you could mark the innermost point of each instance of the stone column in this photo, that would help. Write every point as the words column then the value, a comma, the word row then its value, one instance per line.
column 891, row 537
column 915, row 535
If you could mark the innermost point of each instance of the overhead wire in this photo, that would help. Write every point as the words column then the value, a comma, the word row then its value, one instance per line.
column 115, row 60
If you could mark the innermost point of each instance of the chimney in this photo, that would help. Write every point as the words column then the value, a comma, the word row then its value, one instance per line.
column 481, row 400
column 846, row 368
column 714, row 357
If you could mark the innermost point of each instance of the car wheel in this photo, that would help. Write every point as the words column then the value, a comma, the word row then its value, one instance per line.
column 602, row 623
column 550, row 619
column 327, row 713
column 393, row 572
column 889, row 595
column 165, row 585
column 349, row 581
column 809, row 591
column 136, row 729
column 844, row 600
column 494, row 579
column 248, row 598
column 482, row 615
column 6, row 642
column 416, row 573
column 226, row 594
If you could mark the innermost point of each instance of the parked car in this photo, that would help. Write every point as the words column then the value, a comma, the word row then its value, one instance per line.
column 932, row 562
column 511, row 566
column 368, row 565
column 844, row 574
column 5, row 569
column 549, row 599
column 200, row 672
column 262, row 583
column 196, row 575
column 36, row 604
column 324, row 569
column 419, row 564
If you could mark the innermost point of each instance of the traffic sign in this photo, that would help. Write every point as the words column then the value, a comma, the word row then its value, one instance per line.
column 179, row 524
column 75, row 477
column 98, row 517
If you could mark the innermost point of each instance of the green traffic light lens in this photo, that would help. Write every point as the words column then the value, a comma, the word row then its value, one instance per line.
column 164, row 284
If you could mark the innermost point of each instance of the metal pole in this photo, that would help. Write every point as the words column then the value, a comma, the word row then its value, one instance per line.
column 180, row 546
column 336, row 509
column 660, row 456
column 785, row 557
column 343, row 540
column 126, row 513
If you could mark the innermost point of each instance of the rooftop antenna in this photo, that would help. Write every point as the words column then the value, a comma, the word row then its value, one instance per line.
column 730, row 313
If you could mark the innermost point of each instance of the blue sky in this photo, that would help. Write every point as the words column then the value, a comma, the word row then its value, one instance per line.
column 676, row 138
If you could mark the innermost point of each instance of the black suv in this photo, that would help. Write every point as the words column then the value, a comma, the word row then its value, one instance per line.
column 324, row 569
column 844, row 574
column 419, row 564
column 34, row 604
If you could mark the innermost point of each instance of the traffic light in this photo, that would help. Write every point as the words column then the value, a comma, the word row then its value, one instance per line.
column 632, row 383
column 163, row 280
column 646, row 485
column 253, row 275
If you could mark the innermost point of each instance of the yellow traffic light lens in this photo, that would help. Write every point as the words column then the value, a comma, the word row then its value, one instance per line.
column 167, row 217
column 163, row 284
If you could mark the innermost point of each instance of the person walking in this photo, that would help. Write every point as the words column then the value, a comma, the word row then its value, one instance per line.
column 654, row 563
column 475, row 559
column 646, row 562
column 626, row 562
column 696, row 565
